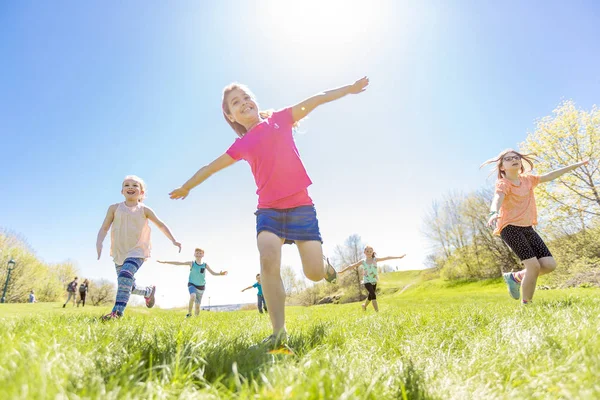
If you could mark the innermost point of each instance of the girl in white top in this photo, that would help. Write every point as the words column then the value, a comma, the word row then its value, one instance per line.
column 370, row 274
column 130, row 241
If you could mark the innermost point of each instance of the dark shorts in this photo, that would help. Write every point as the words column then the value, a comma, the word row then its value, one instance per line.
column 291, row 224
column 525, row 242
column 372, row 289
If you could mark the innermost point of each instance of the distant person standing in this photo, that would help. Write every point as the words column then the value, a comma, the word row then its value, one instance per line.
column 32, row 297
column 71, row 292
column 83, row 288
column 259, row 296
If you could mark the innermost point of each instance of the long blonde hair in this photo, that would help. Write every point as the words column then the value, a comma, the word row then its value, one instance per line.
column 142, row 185
column 499, row 158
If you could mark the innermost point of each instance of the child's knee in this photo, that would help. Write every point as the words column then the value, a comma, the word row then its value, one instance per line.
column 549, row 264
column 314, row 272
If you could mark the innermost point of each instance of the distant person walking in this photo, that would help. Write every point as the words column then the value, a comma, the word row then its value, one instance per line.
column 83, row 289
column 259, row 295
column 71, row 292
column 32, row 297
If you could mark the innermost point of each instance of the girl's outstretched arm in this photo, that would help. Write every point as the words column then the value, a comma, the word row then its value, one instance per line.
column 550, row 176
column 302, row 109
column 161, row 225
column 390, row 258
column 356, row 264
column 203, row 174
column 108, row 220
column 188, row 263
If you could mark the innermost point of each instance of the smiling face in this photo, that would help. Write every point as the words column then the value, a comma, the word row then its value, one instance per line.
column 241, row 107
column 199, row 253
column 369, row 251
column 132, row 189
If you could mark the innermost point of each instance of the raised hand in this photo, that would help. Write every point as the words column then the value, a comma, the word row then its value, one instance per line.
column 359, row 86
column 179, row 193
column 99, row 249
column 176, row 243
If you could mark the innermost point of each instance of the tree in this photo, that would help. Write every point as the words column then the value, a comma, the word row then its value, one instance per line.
column 570, row 135
column 350, row 252
column 101, row 292
column 291, row 283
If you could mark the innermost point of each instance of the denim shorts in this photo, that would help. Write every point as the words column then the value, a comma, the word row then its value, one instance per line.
column 291, row 224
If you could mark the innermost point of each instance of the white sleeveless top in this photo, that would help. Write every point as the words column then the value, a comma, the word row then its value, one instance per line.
column 130, row 233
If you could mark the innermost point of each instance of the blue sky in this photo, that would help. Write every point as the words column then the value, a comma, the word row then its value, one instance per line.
column 93, row 91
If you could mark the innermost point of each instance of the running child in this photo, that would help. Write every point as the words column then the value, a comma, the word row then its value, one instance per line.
column 513, row 214
column 286, row 213
column 260, row 299
column 196, row 280
column 130, row 242
column 370, row 274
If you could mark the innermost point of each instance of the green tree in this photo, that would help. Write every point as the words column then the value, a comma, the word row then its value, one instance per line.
column 571, row 202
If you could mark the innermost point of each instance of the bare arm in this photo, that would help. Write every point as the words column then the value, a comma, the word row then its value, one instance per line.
column 215, row 273
column 390, row 258
column 495, row 208
column 161, row 225
column 108, row 220
column 550, row 176
column 302, row 109
column 249, row 287
column 188, row 263
column 203, row 174
column 356, row 264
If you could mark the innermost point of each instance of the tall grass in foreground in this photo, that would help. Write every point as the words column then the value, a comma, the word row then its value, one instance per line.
column 430, row 342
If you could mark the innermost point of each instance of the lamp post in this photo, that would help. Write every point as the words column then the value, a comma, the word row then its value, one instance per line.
column 11, row 266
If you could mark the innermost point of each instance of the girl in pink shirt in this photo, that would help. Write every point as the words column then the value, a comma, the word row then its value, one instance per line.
column 130, row 242
column 513, row 214
column 286, row 213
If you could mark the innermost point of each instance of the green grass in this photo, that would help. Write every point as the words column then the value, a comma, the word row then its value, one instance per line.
column 433, row 341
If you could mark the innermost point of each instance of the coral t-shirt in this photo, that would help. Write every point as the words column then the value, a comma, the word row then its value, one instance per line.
column 269, row 148
column 518, row 207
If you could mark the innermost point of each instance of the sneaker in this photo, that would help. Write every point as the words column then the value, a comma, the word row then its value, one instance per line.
column 277, row 344
column 330, row 272
column 112, row 315
column 514, row 287
column 151, row 299
column 64, row 305
column 188, row 315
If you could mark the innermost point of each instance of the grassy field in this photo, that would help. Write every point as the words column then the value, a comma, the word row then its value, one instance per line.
column 434, row 340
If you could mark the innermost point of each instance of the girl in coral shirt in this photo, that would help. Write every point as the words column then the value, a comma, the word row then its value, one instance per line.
column 513, row 214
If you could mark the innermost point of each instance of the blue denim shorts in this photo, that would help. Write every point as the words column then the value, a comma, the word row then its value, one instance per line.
column 291, row 224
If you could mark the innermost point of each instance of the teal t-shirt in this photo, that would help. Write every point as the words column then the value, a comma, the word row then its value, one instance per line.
column 198, row 274
column 370, row 272
column 259, row 287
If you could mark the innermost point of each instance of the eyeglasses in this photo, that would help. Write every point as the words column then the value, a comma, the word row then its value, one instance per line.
column 510, row 158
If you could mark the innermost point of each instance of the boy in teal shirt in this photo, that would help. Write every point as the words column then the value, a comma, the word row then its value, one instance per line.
column 260, row 298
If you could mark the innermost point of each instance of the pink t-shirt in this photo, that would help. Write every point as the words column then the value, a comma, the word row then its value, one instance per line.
column 269, row 148
column 518, row 207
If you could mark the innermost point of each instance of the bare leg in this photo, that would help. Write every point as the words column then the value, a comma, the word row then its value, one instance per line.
column 311, row 253
column 191, row 303
column 532, row 271
column 375, row 306
column 269, row 247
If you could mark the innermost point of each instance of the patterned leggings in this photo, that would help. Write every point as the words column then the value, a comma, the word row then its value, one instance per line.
column 126, row 283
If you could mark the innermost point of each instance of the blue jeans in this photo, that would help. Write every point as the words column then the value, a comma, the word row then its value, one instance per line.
column 261, row 303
